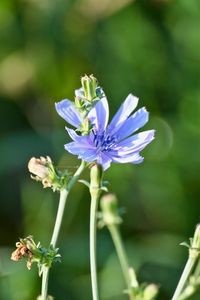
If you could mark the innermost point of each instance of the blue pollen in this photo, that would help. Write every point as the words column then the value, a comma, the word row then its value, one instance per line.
column 103, row 141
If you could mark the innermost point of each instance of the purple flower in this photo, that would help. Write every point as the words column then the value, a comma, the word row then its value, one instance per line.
column 108, row 143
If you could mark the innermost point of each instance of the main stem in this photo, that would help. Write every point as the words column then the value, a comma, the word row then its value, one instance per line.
column 186, row 272
column 114, row 231
column 59, row 217
column 93, row 225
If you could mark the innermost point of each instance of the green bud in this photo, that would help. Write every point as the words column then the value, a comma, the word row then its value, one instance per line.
column 96, row 173
column 85, row 126
column 78, row 103
column 110, row 209
column 89, row 84
column 133, row 278
column 150, row 292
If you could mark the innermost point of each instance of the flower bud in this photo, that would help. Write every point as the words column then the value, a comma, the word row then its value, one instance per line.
column 96, row 173
column 110, row 209
column 133, row 278
column 85, row 126
column 89, row 84
column 150, row 292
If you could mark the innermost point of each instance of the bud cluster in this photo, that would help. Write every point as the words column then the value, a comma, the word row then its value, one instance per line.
column 85, row 98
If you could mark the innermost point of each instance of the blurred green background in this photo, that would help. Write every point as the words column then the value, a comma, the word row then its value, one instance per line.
column 150, row 48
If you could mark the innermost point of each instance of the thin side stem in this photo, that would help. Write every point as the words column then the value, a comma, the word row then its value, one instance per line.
column 59, row 217
column 61, row 207
column 186, row 273
column 93, row 225
column 114, row 231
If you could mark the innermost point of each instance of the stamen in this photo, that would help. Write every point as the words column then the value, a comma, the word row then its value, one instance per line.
column 103, row 141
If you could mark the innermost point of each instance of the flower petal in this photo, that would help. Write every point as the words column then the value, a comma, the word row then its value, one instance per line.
column 89, row 155
column 72, row 133
column 83, row 149
column 133, row 123
column 123, row 113
column 104, row 160
column 68, row 112
column 135, row 143
column 99, row 114
column 134, row 158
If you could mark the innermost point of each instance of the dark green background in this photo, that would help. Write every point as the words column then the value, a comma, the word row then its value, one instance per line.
column 150, row 48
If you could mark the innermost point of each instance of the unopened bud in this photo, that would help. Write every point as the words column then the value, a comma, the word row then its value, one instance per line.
column 96, row 173
column 85, row 126
column 133, row 278
column 89, row 84
column 110, row 209
column 150, row 292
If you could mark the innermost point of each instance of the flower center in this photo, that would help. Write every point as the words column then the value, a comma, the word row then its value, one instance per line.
column 103, row 141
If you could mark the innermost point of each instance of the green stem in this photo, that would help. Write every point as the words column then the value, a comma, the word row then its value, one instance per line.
column 186, row 273
column 114, row 231
column 95, row 191
column 191, row 288
column 93, row 225
column 59, row 217
column 197, row 270
column 61, row 207
column 45, row 277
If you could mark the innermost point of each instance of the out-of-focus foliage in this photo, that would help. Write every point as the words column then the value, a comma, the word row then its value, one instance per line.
column 148, row 47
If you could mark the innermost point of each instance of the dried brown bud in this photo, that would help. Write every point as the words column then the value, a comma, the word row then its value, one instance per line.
column 41, row 168
column 44, row 171
column 22, row 251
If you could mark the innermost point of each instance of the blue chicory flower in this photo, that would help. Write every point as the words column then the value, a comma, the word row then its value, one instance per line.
column 108, row 143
